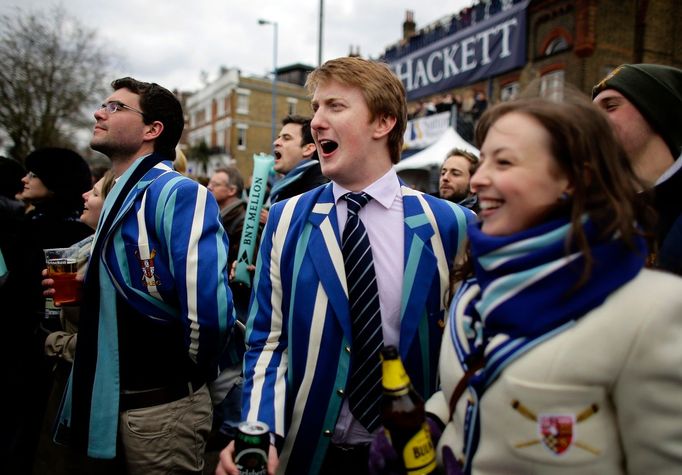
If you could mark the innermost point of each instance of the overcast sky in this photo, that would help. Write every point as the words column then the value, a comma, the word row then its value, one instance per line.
column 172, row 41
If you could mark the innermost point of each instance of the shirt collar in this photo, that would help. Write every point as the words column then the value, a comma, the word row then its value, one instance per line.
column 384, row 190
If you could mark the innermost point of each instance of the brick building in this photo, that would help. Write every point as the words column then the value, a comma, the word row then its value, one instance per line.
column 230, row 119
column 455, row 67
column 497, row 47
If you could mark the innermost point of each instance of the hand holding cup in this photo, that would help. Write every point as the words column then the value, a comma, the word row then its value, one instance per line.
column 62, row 270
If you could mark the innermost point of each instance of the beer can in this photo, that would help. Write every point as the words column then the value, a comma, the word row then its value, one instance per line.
column 251, row 448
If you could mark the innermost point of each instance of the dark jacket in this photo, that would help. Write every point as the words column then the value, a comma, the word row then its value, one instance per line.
column 668, row 205
column 232, row 217
column 309, row 179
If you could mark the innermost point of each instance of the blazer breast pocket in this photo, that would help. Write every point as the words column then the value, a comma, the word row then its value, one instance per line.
column 557, row 424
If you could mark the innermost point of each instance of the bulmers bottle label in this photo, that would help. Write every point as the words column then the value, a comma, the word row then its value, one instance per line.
column 419, row 455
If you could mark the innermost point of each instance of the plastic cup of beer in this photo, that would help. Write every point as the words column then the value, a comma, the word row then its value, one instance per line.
column 62, row 267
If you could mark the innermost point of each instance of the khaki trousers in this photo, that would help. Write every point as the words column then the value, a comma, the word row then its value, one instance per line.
column 168, row 438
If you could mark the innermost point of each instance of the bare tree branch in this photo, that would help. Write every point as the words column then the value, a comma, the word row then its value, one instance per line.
column 51, row 70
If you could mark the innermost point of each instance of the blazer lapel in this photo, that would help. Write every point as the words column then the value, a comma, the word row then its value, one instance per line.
column 325, row 254
column 159, row 169
column 420, row 265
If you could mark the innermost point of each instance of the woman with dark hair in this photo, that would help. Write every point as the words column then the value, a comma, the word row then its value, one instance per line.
column 60, row 346
column 54, row 183
column 561, row 352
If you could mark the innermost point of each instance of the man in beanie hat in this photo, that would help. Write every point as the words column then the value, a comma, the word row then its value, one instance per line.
column 150, row 335
column 644, row 104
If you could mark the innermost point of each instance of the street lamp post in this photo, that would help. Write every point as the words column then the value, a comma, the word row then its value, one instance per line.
column 274, row 74
column 319, row 38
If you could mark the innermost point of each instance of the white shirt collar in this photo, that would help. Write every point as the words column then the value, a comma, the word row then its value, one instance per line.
column 384, row 190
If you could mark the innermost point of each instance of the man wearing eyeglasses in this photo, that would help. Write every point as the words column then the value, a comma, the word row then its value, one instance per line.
column 150, row 333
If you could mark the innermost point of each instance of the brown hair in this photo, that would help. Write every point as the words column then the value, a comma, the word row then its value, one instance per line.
column 157, row 103
column 382, row 90
column 585, row 148
column 471, row 158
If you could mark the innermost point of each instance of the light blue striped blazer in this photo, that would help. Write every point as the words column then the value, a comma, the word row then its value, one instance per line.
column 298, row 332
column 166, row 254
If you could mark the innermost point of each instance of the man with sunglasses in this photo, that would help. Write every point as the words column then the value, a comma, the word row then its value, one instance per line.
column 150, row 333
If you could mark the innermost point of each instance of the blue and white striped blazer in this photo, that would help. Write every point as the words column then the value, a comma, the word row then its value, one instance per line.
column 166, row 254
column 177, row 220
column 298, row 332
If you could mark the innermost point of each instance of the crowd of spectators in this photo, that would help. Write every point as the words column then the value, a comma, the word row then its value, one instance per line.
column 480, row 11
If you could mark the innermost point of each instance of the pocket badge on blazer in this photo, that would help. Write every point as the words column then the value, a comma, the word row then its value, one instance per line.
column 556, row 431
column 149, row 277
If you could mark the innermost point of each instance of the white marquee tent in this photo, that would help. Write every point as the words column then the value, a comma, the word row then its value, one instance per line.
column 421, row 169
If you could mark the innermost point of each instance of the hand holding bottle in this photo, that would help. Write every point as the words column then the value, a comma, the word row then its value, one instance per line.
column 405, row 428
column 384, row 460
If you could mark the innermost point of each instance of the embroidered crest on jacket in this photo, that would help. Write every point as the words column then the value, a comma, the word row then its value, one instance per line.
column 149, row 277
column 556, row 431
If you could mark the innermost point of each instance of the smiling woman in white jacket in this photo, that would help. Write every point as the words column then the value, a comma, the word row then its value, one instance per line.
column 562, row 353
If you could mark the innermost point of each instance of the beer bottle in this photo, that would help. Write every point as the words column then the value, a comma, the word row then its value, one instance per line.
column 402, row 410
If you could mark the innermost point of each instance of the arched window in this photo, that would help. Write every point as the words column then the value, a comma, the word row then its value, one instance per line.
column 556, row 41
column 552, row 85
column 556, row 45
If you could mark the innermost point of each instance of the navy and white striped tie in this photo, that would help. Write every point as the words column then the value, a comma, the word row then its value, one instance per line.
column 364, row 388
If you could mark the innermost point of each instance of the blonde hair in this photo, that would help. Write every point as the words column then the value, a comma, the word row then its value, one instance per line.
column 180, row 162
column 108, row 180
column 382, row 90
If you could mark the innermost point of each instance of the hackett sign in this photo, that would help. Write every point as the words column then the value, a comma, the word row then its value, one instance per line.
column 486, row 49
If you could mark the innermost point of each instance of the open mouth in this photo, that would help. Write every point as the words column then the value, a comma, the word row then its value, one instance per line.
column 328, row 146
column 278, row 155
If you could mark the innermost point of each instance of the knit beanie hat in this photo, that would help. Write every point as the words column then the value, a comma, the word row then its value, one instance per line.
column 62, row 171
column 656, row 91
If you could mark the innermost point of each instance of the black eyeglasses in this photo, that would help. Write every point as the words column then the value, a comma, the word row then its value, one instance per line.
column 115, row 106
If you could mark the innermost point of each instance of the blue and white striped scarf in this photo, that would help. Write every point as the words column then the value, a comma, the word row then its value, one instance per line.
column 523, row 294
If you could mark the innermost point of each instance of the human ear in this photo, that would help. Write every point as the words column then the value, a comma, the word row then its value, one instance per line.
column 383, row 126
column 154, row 130
column 309, row 149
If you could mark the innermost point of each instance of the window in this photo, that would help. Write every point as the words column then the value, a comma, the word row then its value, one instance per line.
column 243, row 101
column 241, row 136
column 510, row 91
column 556, row 45
column 199, row 117
column 291, row 103
column 220, row 138
column 559, row 39
column 552, row 86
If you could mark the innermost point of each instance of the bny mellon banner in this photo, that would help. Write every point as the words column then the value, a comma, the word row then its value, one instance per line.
column 480, row 51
